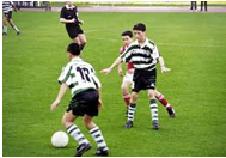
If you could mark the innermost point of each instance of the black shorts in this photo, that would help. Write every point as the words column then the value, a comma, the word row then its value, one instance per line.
column 144, row 79
column 74, row 31
column 8, row 15
column 85, row 102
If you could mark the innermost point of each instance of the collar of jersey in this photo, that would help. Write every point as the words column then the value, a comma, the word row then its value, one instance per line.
column 143, row 45
column 76, row 59
column 69, row 7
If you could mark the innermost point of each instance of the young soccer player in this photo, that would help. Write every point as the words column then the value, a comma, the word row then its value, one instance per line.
column 144, row 55
column 127, row 82
column 69, row 16
column 80, row 77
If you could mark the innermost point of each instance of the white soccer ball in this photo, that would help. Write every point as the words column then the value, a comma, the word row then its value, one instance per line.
column 59, row 139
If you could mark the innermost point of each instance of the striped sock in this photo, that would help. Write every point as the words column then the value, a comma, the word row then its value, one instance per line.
column 131, row 112
column 154, row 109
column 98, row 138
column 74, row 131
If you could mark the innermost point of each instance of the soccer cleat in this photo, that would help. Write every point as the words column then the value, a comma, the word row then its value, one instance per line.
column 4, row 33
column 171, row 112
column 102, row 152
column 18, row 33
column 129, row 124
column 81, row 149
column 155, row 124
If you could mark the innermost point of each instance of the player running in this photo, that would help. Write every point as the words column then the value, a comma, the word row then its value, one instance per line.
column 7, row 9
column 127, row 82
column 69, row 16
column 80, row 77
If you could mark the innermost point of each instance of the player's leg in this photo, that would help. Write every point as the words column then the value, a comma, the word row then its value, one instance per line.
column 154, row 108
column 72, row 129
column 82, row 39
column 10, row 21
column 131, row 110
column 73, row 111
column 97, row 136
column 4, row 25
column 125, row 91
column 13, row 25
column 76, row 40
column 165, row 103
column 150, row 78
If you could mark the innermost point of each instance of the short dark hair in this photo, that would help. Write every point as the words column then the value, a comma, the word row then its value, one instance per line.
column 127, row 33
column 140, row 27
column 73, row 48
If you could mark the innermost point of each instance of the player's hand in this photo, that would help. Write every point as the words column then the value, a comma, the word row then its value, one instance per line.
column 106, row 71
column 100, row 103
column 165, row 69
column 120, row 72
column 81, row 22
column 54, row 105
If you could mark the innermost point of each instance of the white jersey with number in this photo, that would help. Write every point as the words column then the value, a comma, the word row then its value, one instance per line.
column 79, row 76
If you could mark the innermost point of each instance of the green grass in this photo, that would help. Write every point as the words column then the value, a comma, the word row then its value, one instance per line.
column 193, row 46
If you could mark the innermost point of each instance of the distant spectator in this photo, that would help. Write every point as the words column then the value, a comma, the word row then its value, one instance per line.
column 203, row 6
column 193, row 6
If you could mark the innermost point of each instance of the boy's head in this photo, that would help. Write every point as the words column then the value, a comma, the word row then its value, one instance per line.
column 127, row 37
column 73, row 49
column 139, row 31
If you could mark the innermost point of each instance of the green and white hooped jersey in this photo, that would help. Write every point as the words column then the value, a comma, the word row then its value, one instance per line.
column 79, row 76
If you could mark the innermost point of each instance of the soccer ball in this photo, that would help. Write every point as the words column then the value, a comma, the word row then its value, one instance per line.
column 59, row 139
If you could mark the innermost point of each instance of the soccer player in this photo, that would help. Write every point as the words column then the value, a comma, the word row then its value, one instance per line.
column 80, row 77
column 7, row 8
column 69, row 16
column 144, row 55
column 127, row 82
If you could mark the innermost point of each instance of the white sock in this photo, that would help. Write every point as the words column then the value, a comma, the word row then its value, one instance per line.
column 75, row 132
column 154, row 109
column 98, row 138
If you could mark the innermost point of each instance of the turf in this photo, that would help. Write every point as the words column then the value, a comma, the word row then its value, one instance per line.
column 193, row 45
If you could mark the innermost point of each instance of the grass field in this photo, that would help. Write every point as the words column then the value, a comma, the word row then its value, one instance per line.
column 193, row 46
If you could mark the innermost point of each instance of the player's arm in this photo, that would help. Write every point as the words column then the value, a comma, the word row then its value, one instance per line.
column 114, row 64
column 120, row 72
column 62, row 91
column 163, row 68
column 65, row 21
column 160, row 59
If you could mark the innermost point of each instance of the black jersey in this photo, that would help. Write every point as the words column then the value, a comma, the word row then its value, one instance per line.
column 70, row 12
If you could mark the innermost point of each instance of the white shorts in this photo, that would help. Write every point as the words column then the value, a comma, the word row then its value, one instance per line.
column 128, row 80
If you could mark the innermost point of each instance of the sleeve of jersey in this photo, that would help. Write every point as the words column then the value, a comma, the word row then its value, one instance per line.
column 96, row 81
column 65, row 75
column 126, row 55
column 62, row 13
column 155, row 54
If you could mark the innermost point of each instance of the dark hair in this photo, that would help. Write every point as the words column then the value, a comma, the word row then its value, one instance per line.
column 73, row 48
column 140, row 27
column 128, row 33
